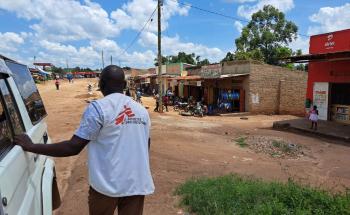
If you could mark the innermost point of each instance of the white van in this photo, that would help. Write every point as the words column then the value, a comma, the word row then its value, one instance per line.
column 27, row 181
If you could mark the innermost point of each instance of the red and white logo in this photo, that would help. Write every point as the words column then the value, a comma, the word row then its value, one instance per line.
column 330, row 37
column 329, row 44
column 127, row 112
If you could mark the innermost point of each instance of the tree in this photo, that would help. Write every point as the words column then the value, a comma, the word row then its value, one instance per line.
column 57, row 70
column 164, row 61
column 182, row 57
column 202, row 62
column 266, row 36
column 229, row 57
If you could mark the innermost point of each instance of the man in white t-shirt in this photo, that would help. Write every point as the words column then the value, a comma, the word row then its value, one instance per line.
column 117, row 132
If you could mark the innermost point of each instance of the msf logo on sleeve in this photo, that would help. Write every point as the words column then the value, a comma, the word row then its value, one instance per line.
column 127, row 112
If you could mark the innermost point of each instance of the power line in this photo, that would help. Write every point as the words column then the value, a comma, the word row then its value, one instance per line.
column 209, row 11
column 150, row 19
column 219, row 14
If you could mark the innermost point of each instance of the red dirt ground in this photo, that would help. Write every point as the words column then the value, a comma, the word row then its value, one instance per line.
column 186, row 147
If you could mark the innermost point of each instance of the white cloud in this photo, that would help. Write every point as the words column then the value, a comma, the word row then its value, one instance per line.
column 9, row 41
column 173, row 45
column 247, row 10
column 56, row 25
column 330, row 19
column 239, row 26
column 135, row 13
column 300, row 43
column 90, row 56
column 64, row 20
column 239, row 1
column 58, row 54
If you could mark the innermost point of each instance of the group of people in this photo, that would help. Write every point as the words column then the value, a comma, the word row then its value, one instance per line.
column 165, row 99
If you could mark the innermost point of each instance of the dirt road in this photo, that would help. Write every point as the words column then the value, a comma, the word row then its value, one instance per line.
column 185, row 147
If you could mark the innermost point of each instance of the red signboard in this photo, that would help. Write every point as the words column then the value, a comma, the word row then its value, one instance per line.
column 330, row 42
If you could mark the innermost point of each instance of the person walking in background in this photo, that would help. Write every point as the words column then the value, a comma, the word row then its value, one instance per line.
column 70, row 77
column 314, row 117
column 157, row 102
column 138, row 96
column 57, row 83
column 116, row 130
column 166, row 101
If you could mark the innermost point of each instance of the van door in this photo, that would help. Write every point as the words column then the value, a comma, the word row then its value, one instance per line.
column 16, row 188
column 32, row 110
column 1, row 208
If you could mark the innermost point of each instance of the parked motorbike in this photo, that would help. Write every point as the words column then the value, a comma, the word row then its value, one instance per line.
column 197, row 110
column 180, row 105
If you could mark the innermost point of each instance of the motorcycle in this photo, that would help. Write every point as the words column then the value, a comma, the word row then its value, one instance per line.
column 180, row 105
column 197, row 111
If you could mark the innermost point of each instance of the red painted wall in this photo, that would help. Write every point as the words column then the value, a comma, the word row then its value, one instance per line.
column 334, row 71
column 330, row 42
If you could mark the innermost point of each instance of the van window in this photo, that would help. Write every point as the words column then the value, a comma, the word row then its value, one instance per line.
column 5, row 133
column 28, row 91
column 12, row 110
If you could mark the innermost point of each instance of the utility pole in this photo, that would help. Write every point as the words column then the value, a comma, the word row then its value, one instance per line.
column 103, row 61
column 111, row 60
column 160, row 90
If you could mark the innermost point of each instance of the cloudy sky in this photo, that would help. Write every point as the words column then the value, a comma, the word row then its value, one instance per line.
column 77, row 31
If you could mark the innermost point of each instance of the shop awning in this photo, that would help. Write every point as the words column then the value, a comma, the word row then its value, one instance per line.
column 43, row 72
column 187, row 78
column 232, row 75
column 335, row 56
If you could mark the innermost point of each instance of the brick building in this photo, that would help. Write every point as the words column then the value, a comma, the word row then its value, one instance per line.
column 246, row 86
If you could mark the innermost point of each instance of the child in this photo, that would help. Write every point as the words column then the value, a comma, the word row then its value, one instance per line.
column 314, row 117
column 57, row 83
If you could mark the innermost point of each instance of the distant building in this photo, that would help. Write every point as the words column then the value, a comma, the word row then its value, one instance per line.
column 45, row 66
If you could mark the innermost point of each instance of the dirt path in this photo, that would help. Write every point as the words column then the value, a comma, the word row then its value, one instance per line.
column 185, row 147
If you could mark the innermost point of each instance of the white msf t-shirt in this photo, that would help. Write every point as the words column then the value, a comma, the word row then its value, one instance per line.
column 118, row 129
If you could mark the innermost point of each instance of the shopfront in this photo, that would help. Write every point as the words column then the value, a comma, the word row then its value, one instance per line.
column 329, row 75
column 225, row 94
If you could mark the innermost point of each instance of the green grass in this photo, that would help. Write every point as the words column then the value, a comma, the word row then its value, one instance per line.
column 237, row 195
column 241, row 142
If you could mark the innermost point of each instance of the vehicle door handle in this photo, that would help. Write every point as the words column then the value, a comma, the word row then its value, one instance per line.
column 45, row 138
column 36, row 157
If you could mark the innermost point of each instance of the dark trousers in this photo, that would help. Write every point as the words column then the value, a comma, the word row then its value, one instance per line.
column 57, row 86
column 157, row 106
column 100, row 204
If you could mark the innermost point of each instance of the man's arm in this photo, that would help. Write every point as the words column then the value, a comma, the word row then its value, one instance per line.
column 62, row 149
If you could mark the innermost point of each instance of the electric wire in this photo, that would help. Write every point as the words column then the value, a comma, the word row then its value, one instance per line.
column 149, row 20
column 219, row 14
